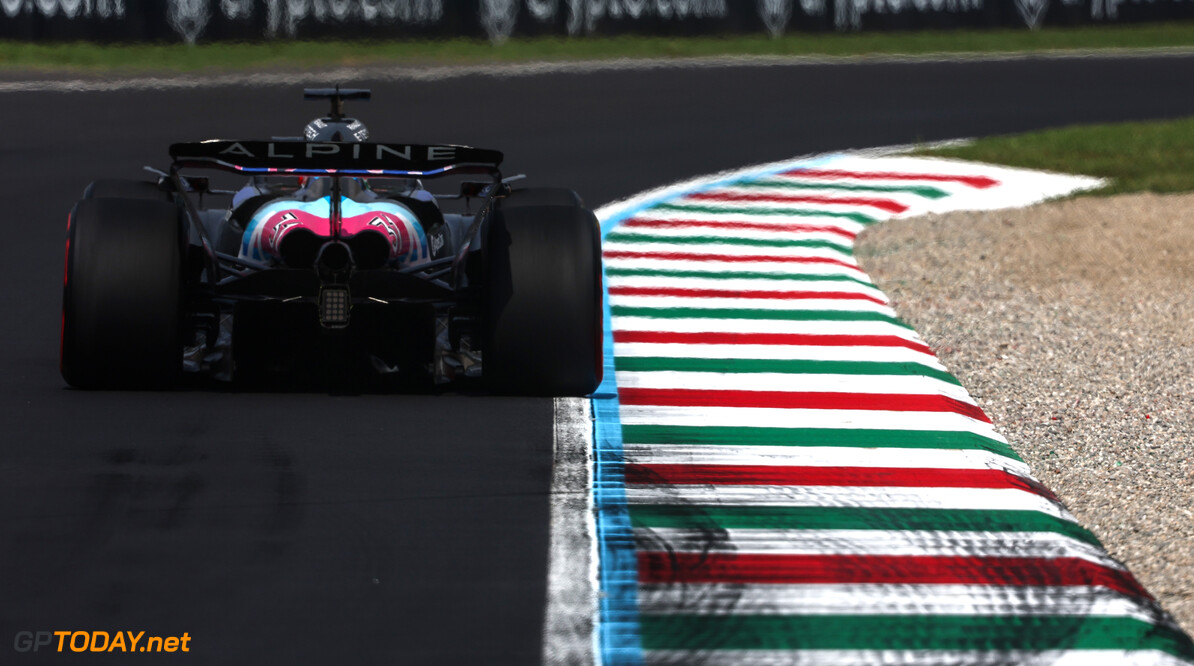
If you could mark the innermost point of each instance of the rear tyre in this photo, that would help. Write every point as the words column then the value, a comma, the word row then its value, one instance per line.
column 122, row 297
column 543, row 305
column 121, row 188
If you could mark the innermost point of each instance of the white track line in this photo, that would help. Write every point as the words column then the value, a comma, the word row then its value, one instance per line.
column 571, row 611
column 910, row 658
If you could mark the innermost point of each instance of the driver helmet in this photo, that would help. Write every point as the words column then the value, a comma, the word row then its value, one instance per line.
column 349, row 130
column 341, row 129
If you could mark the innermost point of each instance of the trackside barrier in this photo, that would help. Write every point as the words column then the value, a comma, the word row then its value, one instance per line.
column 194, row 21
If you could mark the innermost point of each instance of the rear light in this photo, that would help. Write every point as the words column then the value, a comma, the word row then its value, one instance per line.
column 335, row 306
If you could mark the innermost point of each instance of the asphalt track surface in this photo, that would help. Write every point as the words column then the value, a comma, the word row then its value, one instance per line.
column 312, row 528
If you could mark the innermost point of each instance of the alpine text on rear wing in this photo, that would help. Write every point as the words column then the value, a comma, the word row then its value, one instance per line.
column 303, row 158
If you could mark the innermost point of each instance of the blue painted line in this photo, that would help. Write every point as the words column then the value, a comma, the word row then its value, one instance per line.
column 619, row 639
column 618, row 625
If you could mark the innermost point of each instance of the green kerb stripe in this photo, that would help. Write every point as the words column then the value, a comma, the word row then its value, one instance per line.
column 735, row 313
column 908, row 632
column 744, row 365
column 785, row 212
column 732, row 275
column 857, row 438
column 711, row 517
column 621, row 237
column 920, row 191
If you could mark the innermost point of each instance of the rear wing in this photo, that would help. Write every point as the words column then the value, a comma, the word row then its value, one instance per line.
column 303, row 158
column 295, row 157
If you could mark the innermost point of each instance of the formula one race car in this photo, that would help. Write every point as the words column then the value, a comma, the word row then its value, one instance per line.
column 326, row 256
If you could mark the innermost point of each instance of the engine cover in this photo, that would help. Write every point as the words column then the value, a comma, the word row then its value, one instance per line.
column 290, row 232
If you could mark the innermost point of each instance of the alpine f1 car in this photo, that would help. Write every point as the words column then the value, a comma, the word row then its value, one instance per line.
column 326, row 255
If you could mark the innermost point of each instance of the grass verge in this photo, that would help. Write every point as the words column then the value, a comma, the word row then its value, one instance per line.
column 300, row 54
column 1155, row 156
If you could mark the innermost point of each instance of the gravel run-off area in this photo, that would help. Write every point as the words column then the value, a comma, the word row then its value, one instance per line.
column 1072, row 324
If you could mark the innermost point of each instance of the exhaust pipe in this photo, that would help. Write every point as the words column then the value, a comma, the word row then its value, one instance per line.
column 334, row 257
column 299, row 248
column 370, row 249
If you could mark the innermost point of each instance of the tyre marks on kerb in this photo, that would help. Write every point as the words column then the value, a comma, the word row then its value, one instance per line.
column 793, row 476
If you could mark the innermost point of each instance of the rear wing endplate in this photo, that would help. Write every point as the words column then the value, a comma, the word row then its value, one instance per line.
column 303, row 158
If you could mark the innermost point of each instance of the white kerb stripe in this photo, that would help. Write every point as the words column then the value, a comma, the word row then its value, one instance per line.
column 803, row 382
column 715, row 266
column 718, row 325
column 772, row 233
column 845, row 224
column 663, row 247
column 768, row 417
column 739, row 303
column 819, row 456
column 878, row 497
column 774, row 283
column 884, row 599
column 770, row 187
column 778, row 352
column 873, row 212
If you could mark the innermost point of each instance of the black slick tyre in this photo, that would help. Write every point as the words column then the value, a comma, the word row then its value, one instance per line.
column 122, row 295
column 543, row 300
column 121, row 188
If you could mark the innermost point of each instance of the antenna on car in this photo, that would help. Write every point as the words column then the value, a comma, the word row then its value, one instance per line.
column 337, row 95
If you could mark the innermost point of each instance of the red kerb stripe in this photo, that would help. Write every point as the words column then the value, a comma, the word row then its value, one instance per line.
column 799, row 400
column 777, row 475
column 740, row 293
column 882, row 204
column 730, row 224
column 679, row 567
column 980, row 182
column 795, row 339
